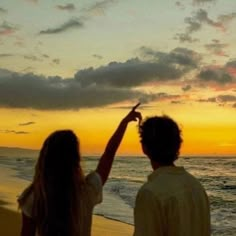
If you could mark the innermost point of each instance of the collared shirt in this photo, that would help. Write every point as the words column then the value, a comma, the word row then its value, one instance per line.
column 172, row 203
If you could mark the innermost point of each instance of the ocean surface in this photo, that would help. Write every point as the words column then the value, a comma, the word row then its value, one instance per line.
column 218, row 176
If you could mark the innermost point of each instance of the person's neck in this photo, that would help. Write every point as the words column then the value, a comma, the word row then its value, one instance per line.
column 156, row 165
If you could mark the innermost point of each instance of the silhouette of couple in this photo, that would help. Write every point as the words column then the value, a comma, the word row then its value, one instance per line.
column 60, row 199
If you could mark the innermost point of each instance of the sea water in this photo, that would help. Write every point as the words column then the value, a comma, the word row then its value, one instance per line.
column 217, row 175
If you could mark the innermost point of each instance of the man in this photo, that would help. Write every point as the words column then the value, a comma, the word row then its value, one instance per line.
column 172, row 202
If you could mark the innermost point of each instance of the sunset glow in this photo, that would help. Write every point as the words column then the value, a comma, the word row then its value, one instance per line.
column 81, row 65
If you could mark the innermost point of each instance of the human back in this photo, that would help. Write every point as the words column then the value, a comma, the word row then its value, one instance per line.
column 60, row 199
column 172, row 202
column 180, row 200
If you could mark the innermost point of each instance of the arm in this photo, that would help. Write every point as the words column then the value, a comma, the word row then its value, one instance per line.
column 105, row 163
column 28, row 226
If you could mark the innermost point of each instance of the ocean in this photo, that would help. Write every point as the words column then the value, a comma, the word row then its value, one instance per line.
column 217, row 175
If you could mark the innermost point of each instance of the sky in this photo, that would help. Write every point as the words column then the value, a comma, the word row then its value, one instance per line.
column 81, row 65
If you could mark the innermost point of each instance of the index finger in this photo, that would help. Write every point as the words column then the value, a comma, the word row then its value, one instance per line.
column 137, row 105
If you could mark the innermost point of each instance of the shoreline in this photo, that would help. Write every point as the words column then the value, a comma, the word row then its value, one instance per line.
column 10, row 224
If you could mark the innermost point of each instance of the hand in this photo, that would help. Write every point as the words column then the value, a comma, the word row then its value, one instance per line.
column 133, row 115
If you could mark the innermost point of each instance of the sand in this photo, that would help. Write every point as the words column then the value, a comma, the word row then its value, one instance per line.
column 10, row 224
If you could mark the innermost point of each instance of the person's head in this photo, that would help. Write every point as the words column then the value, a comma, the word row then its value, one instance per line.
column 56, row 185
column 160, row 139
column 59, row 156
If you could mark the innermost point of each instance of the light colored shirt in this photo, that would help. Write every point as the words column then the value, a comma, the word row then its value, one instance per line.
column 172, row 203
column 91, row 196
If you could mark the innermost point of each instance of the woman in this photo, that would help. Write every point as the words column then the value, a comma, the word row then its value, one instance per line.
column 60, row 200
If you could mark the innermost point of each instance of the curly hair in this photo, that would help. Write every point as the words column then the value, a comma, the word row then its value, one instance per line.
column 161, row 137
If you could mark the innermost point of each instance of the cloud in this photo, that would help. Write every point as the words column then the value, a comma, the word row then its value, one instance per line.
column 73, row 23
column 66, row 7
column 227, row 18
column 97, row 56
column 180, row 5
column 157, row 97
column 38, row 92
column 98, row 8
column 231, row 63
column 56, row 61
column 32, row 58
column 13, row 131
column 7, row 28
column 33, row 1
column 185, row 37
column 215, row 75
column 186, row 88
column 227, row 98
column 221, row 99
column 27, row 123
column 133, row 72
column 202, row 1
column 90, row 87
column 216, row 48
column 3, row 55
column 200, row 18
column 3, row 11
column 234, row 105
column 180, row 56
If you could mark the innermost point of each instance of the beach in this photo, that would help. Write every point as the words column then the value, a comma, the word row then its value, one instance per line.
column 10, row 224
column 114, row 216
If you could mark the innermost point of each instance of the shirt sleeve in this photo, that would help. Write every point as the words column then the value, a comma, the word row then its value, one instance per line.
column 148, row 219
column 95, row 183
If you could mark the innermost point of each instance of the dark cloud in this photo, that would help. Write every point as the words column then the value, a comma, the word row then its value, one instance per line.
column 56, row 61
column 33, row 1
column 157, row 97
column 231, row 63
column 227, row 98
column 98, row 8
column 180, row 5
column 227, row 18
column 6, row 55
column 217, row 48
column 13, row 132
column 32, row 58
column 73, row 23
column 2, row 10
column 220, row 99
column 45, row 56
column 97, row 56
column 27, row 123
column 181, row 56
column 200, row 18
column 176, row 102
column 7, row 28
column 215, row 75
column 185, row 37
column 234, row 105
column 90, row 87
column 186, row 88
column 31, row 91
column 131, row 73
column 66, row 7
column 202, row 1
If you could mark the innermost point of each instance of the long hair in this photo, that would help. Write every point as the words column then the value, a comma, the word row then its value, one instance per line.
column 57, row 182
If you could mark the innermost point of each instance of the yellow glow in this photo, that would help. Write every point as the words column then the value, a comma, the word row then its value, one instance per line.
column 207, row 130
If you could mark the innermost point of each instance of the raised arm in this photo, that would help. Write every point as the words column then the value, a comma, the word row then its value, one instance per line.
column 106, row 160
